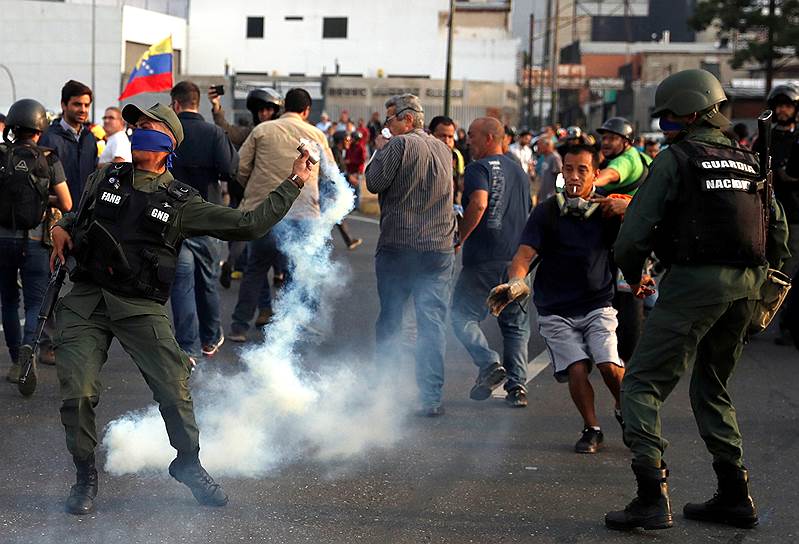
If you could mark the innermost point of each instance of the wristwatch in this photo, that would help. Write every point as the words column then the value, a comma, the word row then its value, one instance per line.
column 295, row 179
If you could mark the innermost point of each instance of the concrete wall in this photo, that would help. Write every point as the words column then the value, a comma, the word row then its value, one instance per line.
column 469, row 99
column 390, row 37
column 44, row 44
column 62, row 48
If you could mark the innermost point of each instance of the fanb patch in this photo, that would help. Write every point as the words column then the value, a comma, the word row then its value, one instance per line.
column 111, row 197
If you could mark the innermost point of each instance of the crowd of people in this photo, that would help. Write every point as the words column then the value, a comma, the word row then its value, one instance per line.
column 590, row 214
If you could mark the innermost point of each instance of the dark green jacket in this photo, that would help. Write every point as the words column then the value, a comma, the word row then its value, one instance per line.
column 197, row 218
column 692, row 285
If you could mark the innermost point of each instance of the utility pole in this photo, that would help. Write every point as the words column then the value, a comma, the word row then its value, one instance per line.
column 94, row 88
column 627, row 31
column 529, row 74
column 555, row 54
column 574, row 20
column 544, row 62
column 448, row 76
column 772, row 8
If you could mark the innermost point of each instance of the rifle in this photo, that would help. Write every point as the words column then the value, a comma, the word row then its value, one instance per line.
column 27, row 378
column 764, row 161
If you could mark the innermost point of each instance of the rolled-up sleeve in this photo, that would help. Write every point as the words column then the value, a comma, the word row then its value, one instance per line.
column 384, row 166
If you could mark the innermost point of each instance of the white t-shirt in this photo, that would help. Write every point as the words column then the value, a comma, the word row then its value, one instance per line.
column 117, row 145
column 524, row 154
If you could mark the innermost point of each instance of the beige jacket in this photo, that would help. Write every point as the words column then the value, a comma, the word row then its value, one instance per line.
column 268, row 153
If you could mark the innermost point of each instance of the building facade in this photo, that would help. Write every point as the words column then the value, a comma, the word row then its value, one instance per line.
column 65, row 48
column 390, row 38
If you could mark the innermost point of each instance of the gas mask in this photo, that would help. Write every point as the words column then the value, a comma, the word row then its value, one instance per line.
column 574, row 206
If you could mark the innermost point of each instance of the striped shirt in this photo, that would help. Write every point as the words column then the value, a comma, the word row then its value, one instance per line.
column 412, row 176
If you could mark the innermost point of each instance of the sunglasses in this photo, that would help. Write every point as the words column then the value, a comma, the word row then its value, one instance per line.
column 391, row 117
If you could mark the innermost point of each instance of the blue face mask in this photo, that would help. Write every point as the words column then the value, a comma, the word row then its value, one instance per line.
column 670, row 126
column 144, row 139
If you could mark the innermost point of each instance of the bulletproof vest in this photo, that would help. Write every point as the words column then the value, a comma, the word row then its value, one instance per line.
column 128, row 242
column 24, row 185
column 718, row 217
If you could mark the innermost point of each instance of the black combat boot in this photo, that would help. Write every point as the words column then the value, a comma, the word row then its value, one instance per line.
column 187, row 470
column 651, row 509
column 732, row 504
column 81, row 496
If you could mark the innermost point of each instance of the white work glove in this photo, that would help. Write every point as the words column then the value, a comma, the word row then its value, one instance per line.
column 502, row 295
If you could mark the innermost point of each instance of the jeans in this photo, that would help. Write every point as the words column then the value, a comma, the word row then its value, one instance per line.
column 261, row 256
column 427, row 278
column 195, row 294
column 469, row 309
column 29, row 259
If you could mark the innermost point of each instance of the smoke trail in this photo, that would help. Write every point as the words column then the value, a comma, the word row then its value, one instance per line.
column 273, row 411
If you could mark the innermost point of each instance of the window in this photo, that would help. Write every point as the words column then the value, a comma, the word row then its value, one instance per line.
column 255, row 27
column 334, row 27
column 712, row 67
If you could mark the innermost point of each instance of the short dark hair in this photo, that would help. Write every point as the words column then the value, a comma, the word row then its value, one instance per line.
column 298, row 100
column 740, row 130
column 186, row 93
column 440, row 120
column 2, row 118
column 74, row 88
column 576, row 149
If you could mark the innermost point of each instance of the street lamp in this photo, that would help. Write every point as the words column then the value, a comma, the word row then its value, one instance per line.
column 448, row 75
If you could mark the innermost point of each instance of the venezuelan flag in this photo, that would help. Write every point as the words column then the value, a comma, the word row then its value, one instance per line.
column 153, row 71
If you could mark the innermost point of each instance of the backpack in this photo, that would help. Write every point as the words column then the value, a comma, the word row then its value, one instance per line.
column 24, row 185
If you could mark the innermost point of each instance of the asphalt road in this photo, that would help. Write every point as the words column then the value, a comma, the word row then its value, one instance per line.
column 481, row 473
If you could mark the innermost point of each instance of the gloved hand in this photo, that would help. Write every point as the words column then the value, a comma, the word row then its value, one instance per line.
column 502, row 295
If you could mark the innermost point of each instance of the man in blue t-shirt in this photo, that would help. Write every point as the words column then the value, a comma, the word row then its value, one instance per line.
column 496, row 201
column 573, row 234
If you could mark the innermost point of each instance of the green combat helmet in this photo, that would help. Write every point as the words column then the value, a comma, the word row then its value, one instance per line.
column 691, row 91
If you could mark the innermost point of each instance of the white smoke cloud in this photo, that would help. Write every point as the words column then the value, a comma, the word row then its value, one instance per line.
column 274, row 411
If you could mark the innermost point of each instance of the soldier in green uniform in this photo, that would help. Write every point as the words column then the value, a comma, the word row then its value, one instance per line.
column 125, row 238
column 702, row 211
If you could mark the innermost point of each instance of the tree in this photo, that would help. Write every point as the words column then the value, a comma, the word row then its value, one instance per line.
column 771, row 29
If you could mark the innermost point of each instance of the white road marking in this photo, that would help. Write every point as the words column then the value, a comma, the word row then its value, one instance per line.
column 534, row 368
column 363, row 219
